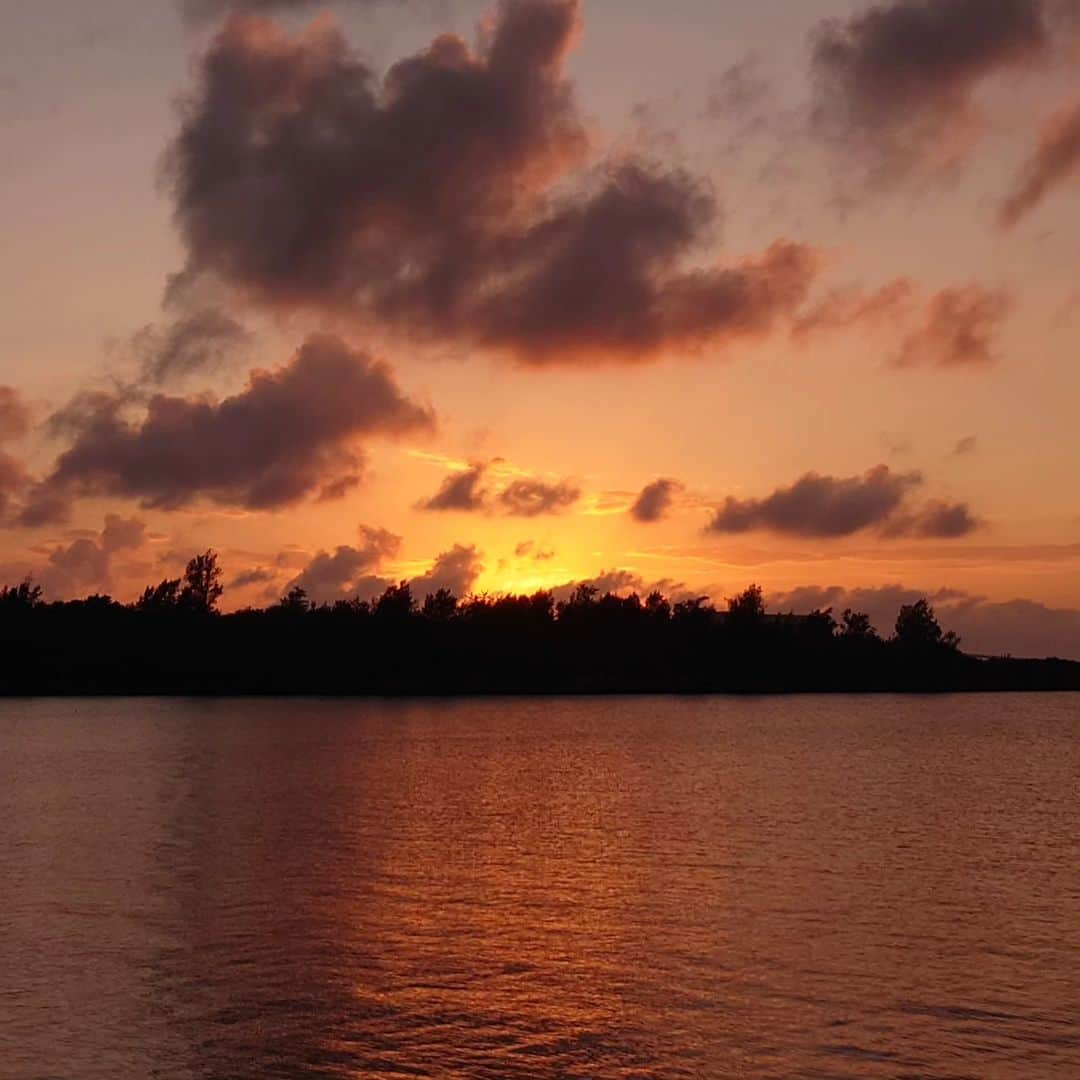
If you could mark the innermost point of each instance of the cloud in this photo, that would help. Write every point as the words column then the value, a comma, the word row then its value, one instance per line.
column 347, row 571
column 896, row 80
column 958, row 330
column 938, row 519
column 741, row 92
column 257, row 575
column 820, row 506
column 290, row 432
column 13, row 480
column 201, row 341
column 829, row 507
column 522, row 496
column 533, row 497
column 623, row 582
column 1019, row 627
column 1055, row 161
column 205, row 10
column 848, row 308
column 454, row 199
column 14, row 415
column 655, row 500
column 462, row 491
column 87, row 562
column 456, row 570
column 528, row 549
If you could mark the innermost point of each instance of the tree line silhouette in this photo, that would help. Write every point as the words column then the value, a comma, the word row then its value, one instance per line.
column 173, row 639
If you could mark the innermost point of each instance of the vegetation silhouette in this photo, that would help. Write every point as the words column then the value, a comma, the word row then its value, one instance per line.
column 174, row 640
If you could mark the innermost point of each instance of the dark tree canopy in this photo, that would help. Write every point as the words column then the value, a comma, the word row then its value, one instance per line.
column 173, row 639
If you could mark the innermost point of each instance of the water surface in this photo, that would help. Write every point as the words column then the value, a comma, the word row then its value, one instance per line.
column 803, row 887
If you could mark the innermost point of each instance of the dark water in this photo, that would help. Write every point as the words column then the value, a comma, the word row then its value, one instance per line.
column 814, row 887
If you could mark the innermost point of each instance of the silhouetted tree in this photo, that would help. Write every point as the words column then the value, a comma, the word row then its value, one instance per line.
column 657, row 607
column 295, row 601
column 22, row 597
column 917, row 628
column 748, row 606
column 485, row 644
column 164, row 596
column 695, row 609
column 819, row 626
column 202, row 584
column 856, row 626
column 440, row 606
column 396, row 604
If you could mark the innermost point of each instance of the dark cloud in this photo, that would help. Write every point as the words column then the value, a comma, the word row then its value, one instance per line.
column 257, row 575
column 87, row 562
column 958, row 330
column 202, row 341
column 13, row 480
column 525, row 496
column 456, row 570
column 14, row 415
column 896, row 80
column 655, row 500
column 290, row 432
column 461, row 491
column 532, row 497
column 937, row 519
column 1019, row 627
column 122, row 534
column 1055, row 161
column 347, row 571
column 43, row 505
column 821, row 506
column 447, row 199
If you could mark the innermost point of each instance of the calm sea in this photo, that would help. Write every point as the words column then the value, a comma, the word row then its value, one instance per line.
column 804, row 887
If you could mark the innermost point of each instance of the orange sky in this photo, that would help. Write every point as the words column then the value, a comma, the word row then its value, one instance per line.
column 555, row 232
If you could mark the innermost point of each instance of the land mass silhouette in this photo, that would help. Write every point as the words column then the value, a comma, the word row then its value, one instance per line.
column 173, row 640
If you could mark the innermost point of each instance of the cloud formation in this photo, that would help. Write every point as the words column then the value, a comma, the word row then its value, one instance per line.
column 849, row 308
column 896, row 80
column 624, row 582
column 14, row 415
column 460, row 491
column 87, row 562
column 655, row 500
column 958, row 330
column 532, row 497
column 1055, row 161
column 287, row 435
column 827, row 507
column 938, row 520
column 13, row 480
column 455, row 570
column 523, row 496
column 14, row 424
column 348, row 570
column 201, row 341
column 449, row 200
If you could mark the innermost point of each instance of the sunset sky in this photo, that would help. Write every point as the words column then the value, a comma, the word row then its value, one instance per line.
column 505, row 296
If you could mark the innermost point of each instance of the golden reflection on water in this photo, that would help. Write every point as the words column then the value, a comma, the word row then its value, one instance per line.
column 705, row 888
